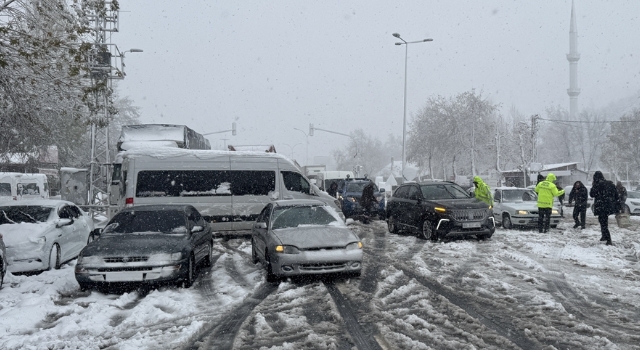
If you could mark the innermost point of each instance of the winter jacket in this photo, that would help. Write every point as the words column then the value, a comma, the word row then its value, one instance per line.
column 546, row 190
column 482, row 191
column 368, row 198
column 622, row 194
column 580, row 196
column 605, row 196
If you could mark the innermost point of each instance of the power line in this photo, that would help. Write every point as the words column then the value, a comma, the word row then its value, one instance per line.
column 589, row 122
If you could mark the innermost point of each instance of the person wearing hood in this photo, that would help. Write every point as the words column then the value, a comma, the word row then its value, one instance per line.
column 546, row 190
column 605, row 203
column 580, row 195
column 482, row 191
column 622, row 196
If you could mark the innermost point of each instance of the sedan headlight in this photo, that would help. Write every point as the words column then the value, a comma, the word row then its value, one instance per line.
column 89, row 260
column 555, row 211
column 354, row 245
column 287, row 249
column 522, row 212
column 165, row 257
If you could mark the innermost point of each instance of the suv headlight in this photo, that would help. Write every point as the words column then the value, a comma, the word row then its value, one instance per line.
column 287, row 249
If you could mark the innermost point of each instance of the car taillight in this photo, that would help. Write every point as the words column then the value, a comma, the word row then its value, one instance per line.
column 128, row 202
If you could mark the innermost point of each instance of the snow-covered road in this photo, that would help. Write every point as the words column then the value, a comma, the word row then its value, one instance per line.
column 520, row 289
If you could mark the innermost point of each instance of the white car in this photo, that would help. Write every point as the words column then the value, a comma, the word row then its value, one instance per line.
column 42, row 234
column 517, row 207
column 633, row 202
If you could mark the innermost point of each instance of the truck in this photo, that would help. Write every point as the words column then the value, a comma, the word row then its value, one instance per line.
column 17, row 186
column 165, row 135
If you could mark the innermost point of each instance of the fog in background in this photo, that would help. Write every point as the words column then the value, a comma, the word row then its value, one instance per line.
column 273, row 66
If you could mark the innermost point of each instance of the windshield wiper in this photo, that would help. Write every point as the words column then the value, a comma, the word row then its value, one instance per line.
column 28, row 216
column 7, row 217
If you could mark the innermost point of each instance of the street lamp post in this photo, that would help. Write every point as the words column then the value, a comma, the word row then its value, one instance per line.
column 404, row 115
column 306, row 160
column 292, row 148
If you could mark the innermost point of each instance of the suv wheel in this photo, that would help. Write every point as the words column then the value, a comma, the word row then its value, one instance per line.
column 391, row 224
column 428, row 232
column 506, row 222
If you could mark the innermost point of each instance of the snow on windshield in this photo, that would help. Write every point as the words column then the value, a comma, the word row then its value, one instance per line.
column 284, row 217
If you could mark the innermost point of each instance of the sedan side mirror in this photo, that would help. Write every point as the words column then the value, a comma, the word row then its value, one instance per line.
column 197, row 228
column 96, row 233
column 63, row 222
column 260, row 225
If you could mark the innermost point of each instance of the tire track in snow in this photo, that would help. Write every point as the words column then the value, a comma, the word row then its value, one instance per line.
column 221, row 335
column 363, row 340
column 373, row 266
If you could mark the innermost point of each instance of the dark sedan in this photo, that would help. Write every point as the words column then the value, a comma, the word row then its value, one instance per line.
column 438, row 209
column 147, row 245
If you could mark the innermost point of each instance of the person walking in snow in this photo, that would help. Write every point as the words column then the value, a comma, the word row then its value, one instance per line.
column 622, row 196
column 333, row 189
column 482, row 191
column 579, row 195
column 546, row 190
column 368, row 201
column 605, row 203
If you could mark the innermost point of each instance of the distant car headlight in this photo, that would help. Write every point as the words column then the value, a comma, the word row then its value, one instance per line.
column 165, row 257
column 522, row 212
column 287, row 249
column 635, row 203
column 354, row 245
column 351, row 199
column 555, row 211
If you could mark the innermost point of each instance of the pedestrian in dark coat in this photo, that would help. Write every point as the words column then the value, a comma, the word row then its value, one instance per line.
column 333, row 189
column 580, row 196
column 368, row 201
column 540, row 178
column 605, row 203
column 622, row 196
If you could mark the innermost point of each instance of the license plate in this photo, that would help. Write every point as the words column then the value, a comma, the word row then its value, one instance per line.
column 470, row 224
column 128, row 276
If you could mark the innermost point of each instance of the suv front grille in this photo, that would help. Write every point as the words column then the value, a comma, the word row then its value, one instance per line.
column 469, row 214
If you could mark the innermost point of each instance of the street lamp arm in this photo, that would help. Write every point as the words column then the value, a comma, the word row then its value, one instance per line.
column 339, row 133
column 216, row 132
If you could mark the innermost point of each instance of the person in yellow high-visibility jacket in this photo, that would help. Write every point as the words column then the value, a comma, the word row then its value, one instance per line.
column 546, row 190
column 482, row 191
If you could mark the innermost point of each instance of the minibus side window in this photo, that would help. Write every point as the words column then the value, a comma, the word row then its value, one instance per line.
column 295, row 182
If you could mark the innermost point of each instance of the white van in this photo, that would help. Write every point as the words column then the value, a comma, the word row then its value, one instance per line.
column 337, row 176
column 17, row 186
column 229, row 188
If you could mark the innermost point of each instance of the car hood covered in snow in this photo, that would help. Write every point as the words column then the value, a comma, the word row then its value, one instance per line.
column 18, row 234
column 305, row 237
column 118, row 244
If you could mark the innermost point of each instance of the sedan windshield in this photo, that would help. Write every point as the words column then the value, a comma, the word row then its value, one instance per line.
column 284, row 217
column 24, row 213
column 518, row 195
column 443, row 191
column 147, row 221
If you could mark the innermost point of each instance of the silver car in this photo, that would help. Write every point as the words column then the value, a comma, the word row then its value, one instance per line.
column 304, row 237
column 518, row 207
column 43, row 234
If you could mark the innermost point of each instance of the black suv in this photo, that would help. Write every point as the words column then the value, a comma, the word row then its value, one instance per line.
column 438, row 209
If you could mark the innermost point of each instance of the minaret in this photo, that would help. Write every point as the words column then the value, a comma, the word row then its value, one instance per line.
column 573, row 58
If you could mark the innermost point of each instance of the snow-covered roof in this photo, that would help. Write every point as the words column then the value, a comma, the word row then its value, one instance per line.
column 169, row 152
column 152, row 132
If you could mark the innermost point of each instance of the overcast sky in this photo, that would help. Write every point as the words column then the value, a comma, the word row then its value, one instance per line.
column 273, row 66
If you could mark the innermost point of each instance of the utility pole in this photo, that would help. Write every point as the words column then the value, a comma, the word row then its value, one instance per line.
column 104, row 19
column 534, row 137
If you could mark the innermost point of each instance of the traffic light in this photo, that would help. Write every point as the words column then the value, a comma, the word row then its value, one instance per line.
column 233, row 128
column 310, row 129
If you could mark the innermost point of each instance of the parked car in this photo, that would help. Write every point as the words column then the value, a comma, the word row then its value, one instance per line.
column 3, row 261
column 147, row 244
column 633, row 202
column 302, row 237
column 518, row 207
column 349, row 194
column 437, row 210
column 43, row 234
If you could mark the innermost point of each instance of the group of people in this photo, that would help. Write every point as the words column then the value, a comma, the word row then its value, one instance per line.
column 608, row 198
